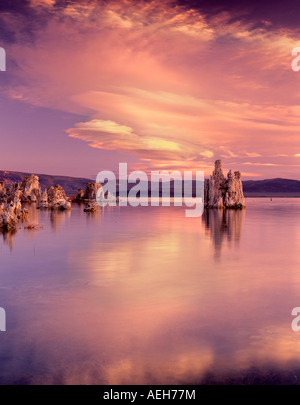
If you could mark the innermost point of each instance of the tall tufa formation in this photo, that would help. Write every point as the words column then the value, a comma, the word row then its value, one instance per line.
column 30, row 188
column 11, row 213
column 89, row 196
column 91, row 191
column 80, row 195
column 224, row 192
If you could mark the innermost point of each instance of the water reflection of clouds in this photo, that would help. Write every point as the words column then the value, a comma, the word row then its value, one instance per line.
column 103, row 343
column 140, row 299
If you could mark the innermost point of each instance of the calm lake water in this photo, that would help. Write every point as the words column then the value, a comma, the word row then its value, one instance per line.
column 147, row 296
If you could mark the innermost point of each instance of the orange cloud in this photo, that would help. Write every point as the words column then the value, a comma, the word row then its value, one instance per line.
column 110, row 135
column 176, row 84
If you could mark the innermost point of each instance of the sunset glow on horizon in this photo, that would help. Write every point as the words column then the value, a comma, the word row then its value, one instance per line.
column 160, row 85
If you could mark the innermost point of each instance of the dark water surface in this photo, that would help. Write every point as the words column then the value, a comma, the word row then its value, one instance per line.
column 147, row 296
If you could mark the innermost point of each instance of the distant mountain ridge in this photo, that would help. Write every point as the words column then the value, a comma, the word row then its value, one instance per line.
column 272, row 187
column 276, row 187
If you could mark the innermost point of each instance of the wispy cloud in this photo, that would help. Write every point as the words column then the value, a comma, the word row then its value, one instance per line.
column 252, row 154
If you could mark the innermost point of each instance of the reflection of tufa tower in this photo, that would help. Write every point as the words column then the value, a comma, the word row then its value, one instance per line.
column 222, row 225
column 224, row 192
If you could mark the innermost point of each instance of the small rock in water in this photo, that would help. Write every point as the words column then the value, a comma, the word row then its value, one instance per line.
column 91, row 206
column 32, row 226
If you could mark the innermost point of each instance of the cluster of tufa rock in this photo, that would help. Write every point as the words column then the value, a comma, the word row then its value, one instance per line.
column 90, row 192
column 89, row 196
column 54, row 198
column 28, row 191
column 224, row 192
column 94, row 196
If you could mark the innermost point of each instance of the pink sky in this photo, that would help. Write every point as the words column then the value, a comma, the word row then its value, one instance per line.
column 153, row 84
